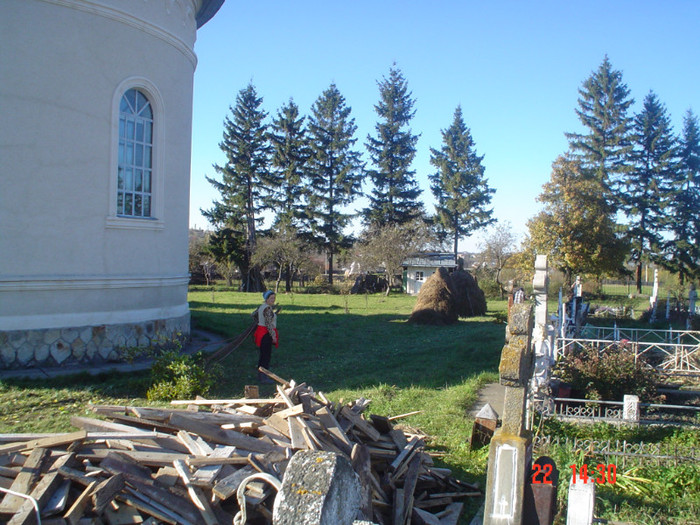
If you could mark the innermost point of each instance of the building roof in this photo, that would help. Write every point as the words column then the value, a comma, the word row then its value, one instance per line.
column 431, row 259
column 207, row 10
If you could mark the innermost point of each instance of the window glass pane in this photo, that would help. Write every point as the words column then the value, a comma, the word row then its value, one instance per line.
column 147, row 112
column 134, row 170
column 139, row 155
column 141, row 102
column 130, row 97
column 137, row 206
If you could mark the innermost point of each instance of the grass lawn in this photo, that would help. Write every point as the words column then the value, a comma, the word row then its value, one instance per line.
column 361, row 346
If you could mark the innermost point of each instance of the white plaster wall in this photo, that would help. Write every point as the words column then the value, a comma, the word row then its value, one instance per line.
column 63, row 255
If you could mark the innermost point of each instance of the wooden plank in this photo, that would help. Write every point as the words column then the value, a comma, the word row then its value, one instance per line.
column 328, row 420
column 196, row 495
column 404, row 454
column 237, row 401
column 360, row 423
column 194, row 444
column 77, row 510
column 398, row 507
column 198, row 462
column 105, row 492
column 47, row 442
column 205, row 475
column 24, row 481
column 409, row 487
column 362, row 465
column 228, row 486
column 42, row 492
column 451, row 515
column 423, row 517
column 150, row 459
column 274, row 377
column 216, row 434
column 123, row 515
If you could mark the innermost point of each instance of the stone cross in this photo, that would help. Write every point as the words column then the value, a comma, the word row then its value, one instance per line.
column 510, row 452
column 542, row 334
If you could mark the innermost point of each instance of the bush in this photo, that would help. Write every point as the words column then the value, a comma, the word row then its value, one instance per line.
column 607, row 375
column 180, row 376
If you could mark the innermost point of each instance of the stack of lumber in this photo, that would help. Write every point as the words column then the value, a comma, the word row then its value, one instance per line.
column 184, row 464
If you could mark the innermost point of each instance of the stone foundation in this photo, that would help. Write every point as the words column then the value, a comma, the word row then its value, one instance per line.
column 85, row 344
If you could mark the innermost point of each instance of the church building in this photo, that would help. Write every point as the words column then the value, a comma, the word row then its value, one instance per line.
column 95, row 144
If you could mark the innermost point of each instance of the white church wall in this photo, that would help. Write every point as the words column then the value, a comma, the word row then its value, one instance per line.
column 67, row 261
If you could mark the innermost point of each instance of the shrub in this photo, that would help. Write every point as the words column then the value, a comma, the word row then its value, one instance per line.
column 180, row 376
column 607, row 375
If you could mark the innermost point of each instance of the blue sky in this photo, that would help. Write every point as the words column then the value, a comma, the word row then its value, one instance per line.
column 515, row 67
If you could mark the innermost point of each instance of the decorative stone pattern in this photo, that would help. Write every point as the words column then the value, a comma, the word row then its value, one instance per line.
column 85, row 344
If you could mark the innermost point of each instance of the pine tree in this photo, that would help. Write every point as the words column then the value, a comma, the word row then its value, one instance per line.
column 243, row 185
column 603, row 105
column 335, row 171
column 683, row 250
column 459, row 185
column 290, row 156
column 648, row 185
column 394, row 198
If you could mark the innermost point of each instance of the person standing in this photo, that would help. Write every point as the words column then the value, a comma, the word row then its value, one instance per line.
column 266, row 333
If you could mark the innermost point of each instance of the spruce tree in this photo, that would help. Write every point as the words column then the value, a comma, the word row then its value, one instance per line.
column 243, row 185
column 683, row 249
column 459, row 185
column 335, row 171
column 290, row 156
column 648, row 185
column 604, row 101
column 395, row 193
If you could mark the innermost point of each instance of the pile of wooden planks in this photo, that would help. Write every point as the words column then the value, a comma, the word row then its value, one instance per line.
column 184, row 465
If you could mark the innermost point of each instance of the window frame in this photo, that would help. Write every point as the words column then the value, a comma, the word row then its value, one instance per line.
column 155, row 221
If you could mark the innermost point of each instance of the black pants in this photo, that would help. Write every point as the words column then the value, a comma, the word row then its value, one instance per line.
column 265, row 351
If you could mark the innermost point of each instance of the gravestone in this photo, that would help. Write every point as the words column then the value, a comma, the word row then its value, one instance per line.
column 485, row 424
column 510, row 452
column 630, row 408
column 541, row 496
column 581, row 503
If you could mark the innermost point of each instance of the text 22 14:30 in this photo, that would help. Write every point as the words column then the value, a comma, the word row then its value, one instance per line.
column 600, row 474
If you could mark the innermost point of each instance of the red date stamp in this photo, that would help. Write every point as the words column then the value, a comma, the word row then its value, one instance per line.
column 600, row 474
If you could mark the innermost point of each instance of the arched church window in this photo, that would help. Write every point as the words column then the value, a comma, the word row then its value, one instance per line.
column 134, row 178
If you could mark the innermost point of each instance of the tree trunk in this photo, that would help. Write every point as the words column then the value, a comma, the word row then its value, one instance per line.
column 639, row 276
column 330, row 265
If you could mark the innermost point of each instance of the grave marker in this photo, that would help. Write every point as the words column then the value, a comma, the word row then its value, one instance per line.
column 510, row 452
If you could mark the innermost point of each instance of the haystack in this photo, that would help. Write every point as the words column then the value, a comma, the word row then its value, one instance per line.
column 436, row 302
column 470, row 299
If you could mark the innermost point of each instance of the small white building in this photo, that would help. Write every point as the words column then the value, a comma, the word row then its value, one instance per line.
column 418, row 267
column 95, row 141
